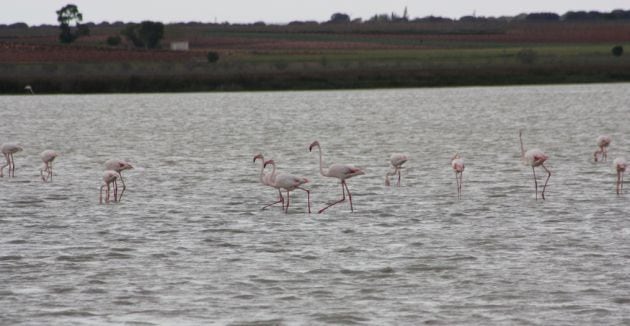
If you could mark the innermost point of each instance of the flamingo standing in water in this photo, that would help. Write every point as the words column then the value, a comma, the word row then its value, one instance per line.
column 339, row 171
column 534, row 158
column 118, row 166
column 48, row 156
column 457, row 162
column 397, row 160
column 288, row 182
column 109, row 177
column 266, row 179
column 8, row 150
column 620, row 165
column 603, row 142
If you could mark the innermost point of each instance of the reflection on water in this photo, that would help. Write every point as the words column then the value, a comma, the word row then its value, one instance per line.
column 189, row 243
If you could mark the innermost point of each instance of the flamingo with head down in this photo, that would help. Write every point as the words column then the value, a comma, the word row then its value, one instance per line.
column 534, row 158
column 339, row 171
column 603, row 142
column 457, row 162
column 397, row 160
column 8, row 150
column 48, row 156
column 620, row 165
column 118, row 166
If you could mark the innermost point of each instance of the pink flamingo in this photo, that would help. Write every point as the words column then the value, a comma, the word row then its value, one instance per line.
column 288, row 182
column 457, row 162
column 266, row 179
column 8, row 150
column 397, row 160
column 339, row 171
column 620, row 165
column 535, row 157
column 118, row 166
column 48, row 156
column 603, row 142
column 109, row 177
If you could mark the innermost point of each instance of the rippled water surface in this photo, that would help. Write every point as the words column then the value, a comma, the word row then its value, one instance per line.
column 189, row 243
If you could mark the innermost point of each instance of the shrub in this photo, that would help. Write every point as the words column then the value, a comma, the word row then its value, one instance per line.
column 213, row 57
column 527, row 56
column 617, row 50
column 113, row 40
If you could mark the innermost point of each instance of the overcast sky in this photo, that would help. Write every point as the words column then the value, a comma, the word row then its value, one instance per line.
column 35, row 12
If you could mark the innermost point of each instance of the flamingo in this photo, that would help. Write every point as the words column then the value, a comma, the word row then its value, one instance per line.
column 266, row 179
column 339, row 171
column 397, row 160
column 288, row 182
column 620, row 165
column 535, row 157
column 109, row 177
column 603, row 142
column 457, row 162
column 29, row 89
column 118, row 166
column 48, row 156
column 8, row 150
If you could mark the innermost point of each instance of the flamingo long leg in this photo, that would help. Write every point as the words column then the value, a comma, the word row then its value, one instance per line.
column 457, row 183
column 349, row 194
column 535, row 182
column 461, row 183
column 548, row 176
column 11, row 166
column 618, row 182
column 50, row 171
column 5, row 165
column 41, row 173
column 115, row 188
column 398, row 169
column 280, row 200
column 286, row 210
column 308, row 198
column 343, row 198
column 123, row 188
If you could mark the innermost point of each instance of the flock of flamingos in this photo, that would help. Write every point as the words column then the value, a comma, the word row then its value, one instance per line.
column 288, row 182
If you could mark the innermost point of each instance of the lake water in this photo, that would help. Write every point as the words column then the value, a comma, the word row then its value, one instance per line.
column 189, row 244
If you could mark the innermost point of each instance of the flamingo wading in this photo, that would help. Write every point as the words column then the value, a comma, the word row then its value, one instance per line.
column 8, row 150
column 603, row 142
column 534, row 158
column 109, row 178
column 266, row 179
column 48, row 156
column 620, row 165
column 457, row 162
column 118, row 166
column 288, row 182
column 397, row 160
column 339, row 171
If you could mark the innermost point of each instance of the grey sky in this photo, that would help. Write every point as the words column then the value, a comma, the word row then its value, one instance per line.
column 36, row 12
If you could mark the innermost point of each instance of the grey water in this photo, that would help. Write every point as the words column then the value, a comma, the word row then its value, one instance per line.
column 189, row 244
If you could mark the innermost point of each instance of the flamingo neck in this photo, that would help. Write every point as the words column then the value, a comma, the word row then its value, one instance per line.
column 273, row 173
column 262, row 170
column 321, row 162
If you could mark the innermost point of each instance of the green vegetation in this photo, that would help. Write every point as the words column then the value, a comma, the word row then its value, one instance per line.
column 144, row 35
column 345, row 54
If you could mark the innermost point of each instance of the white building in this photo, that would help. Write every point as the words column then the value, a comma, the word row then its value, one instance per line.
column 179, row 46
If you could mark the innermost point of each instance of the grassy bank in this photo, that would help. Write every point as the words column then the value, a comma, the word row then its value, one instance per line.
column 322, row 57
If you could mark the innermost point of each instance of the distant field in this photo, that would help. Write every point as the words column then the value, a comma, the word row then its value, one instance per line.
column 319, row 56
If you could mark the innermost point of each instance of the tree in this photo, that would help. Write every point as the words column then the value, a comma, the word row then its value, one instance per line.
column 66, row 16
column 339, row 18
column 146, row 34
column 617, row 50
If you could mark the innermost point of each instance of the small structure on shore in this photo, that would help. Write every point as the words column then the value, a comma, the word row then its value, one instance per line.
column 179, row 46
